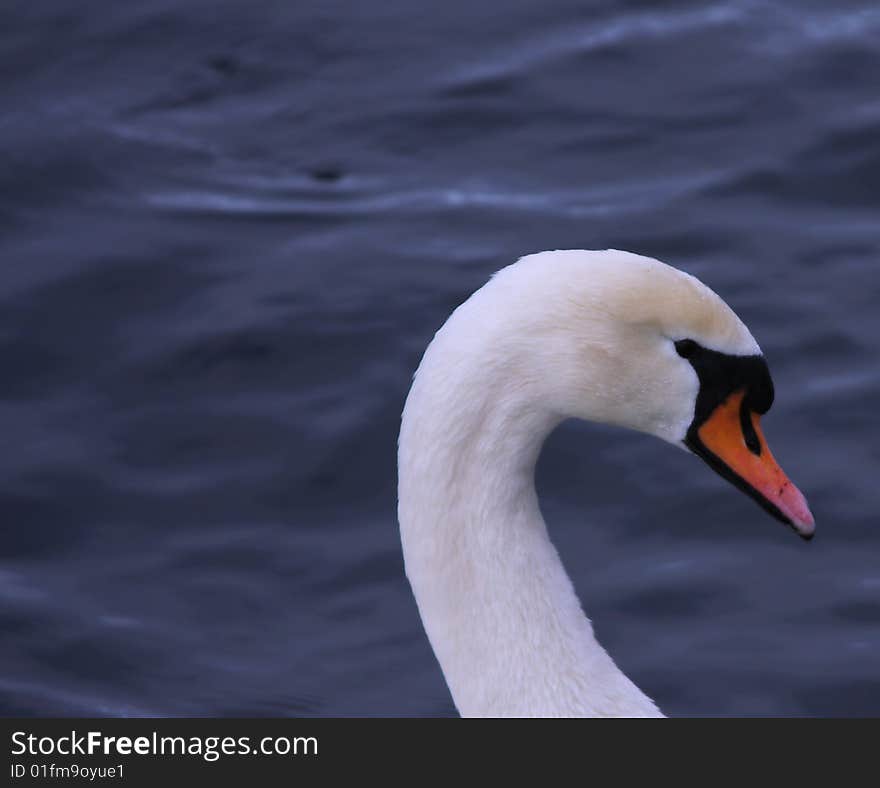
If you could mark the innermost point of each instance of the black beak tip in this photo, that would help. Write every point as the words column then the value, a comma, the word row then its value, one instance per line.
column 805, row 535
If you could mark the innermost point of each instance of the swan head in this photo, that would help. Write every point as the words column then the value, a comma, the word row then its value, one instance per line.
column 619, row 338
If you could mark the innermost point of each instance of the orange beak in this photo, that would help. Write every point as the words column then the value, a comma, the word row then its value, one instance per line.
column 734, row 445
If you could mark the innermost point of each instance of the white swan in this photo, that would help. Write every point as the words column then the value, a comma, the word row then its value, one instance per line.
column 605, row 336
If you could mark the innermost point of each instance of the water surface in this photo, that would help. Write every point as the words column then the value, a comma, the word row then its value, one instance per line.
column 228, row 230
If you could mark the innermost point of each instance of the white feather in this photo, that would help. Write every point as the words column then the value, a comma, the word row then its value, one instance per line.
column 576, row 333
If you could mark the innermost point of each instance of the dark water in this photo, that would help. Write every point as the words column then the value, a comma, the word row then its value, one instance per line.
column 228, row 231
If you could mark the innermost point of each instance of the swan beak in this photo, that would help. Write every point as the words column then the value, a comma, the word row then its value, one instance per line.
column 732, row 443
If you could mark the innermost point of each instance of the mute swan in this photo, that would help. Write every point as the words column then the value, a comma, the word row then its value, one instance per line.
column 606, row 336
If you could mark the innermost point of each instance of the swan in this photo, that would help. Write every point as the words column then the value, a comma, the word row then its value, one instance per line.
column 606, row 336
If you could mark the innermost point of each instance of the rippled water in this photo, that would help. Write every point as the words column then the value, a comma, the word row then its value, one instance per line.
column 228, row 230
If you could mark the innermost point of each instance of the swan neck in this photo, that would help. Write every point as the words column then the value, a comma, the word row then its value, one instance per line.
column 497, row 604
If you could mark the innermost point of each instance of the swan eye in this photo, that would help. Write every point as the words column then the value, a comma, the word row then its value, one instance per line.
column 686, row 347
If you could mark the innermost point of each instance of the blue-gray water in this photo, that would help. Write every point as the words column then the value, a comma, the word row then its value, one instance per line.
column 227, row 232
